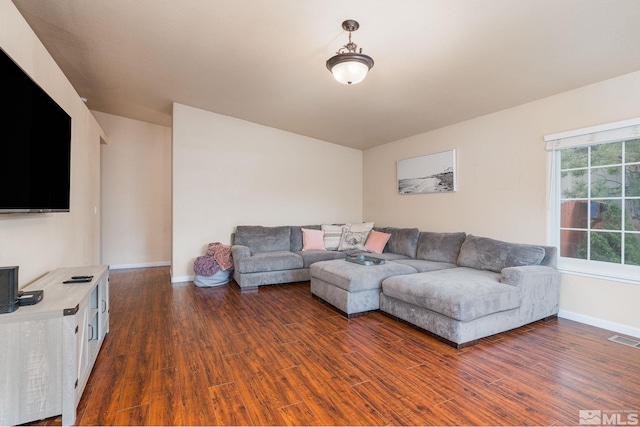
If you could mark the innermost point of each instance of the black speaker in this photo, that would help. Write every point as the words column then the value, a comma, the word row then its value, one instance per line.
column 8, row 289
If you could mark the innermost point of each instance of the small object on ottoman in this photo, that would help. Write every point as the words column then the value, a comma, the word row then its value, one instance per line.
column 221, row 277
column 364, row 260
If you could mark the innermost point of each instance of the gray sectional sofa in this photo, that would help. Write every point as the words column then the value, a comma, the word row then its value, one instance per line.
column 457, row 287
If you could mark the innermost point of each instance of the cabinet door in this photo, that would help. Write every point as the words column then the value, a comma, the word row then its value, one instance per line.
column 30, row 370
column 74, row 358
column 103, row 315
column 82, row 346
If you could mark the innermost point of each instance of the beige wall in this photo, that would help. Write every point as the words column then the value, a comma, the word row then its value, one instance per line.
column 136, row 193
column 229, row 172
column 39, row 243
column 501, row 165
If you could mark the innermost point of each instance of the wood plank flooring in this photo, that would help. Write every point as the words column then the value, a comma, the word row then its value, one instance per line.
column 182, row 355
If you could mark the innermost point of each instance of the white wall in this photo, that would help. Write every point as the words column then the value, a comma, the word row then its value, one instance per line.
column 39, row 243
column 229, row 172
column 502, row 180
column 136, row 193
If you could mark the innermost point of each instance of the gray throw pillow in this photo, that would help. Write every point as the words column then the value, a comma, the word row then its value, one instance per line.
column 494, row 255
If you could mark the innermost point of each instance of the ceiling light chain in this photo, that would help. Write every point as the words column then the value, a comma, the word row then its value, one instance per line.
column 350, row 66
column 351, row 46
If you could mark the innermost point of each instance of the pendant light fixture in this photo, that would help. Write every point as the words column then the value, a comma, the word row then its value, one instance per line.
column 350, row 66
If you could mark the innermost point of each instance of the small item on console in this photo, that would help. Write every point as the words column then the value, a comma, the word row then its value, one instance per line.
column 30, row 297
column 79, row 279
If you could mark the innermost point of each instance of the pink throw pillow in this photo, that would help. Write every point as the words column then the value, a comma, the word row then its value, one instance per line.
column 312, row 240
column 376, row 241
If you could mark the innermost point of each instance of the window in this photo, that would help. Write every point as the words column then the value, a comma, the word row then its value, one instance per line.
column 594, row 200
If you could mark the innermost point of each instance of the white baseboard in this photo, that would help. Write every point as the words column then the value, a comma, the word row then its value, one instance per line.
column 180, row 279
column 600, row 323
column 140, row 265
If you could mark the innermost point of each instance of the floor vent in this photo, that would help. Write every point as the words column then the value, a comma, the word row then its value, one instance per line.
column 625, row 341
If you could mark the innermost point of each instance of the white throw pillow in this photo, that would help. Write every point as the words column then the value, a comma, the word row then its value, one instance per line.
column 332, row 235
column 354, row 236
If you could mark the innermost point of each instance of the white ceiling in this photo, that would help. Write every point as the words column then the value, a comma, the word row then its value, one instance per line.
column 437, row 62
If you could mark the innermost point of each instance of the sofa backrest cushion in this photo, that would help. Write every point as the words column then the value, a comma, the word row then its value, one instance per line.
column 296, row 236
column 441, row 247
column 264, row 239
column 488, row 254
column 550, row 257
column 403, row 241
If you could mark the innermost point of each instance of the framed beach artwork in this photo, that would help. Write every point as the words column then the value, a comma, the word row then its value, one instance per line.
column 433, row 173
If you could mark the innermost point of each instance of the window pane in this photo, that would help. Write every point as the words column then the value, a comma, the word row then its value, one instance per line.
column 573, row 244
column 606, row 154
column 574, row 158
column 606, row 247
column 632, row 213
column 599, row 202
column 632, row 249
column 632, row 151
column 632, row 176
column 606, row 214
column 606, row 182
column 574, row 184
column 573, row 214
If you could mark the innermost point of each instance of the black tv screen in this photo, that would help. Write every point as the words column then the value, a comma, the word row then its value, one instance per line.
column 35, row 145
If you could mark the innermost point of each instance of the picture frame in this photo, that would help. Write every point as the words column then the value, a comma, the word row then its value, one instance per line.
column 431, row 173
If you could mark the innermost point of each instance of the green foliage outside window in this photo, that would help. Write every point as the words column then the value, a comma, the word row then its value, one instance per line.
column 604, row 166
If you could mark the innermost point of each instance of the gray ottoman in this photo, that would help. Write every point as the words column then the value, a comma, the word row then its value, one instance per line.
column 353, row 289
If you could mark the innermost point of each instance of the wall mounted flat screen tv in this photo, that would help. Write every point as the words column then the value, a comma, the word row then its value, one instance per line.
column 35, row 145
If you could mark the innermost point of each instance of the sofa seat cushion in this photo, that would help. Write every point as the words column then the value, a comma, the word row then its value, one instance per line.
column 353, row 277
column 422, row 265
column 270, row 261
column 310, row 257
column 462, row 294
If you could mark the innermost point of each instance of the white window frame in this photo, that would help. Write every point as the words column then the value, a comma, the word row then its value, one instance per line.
column 601, row 134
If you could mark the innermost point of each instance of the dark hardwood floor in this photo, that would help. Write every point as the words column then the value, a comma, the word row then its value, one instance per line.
column 182, row 355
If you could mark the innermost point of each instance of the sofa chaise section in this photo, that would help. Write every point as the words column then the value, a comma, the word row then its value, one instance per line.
column 354, row 289
column 497, row 286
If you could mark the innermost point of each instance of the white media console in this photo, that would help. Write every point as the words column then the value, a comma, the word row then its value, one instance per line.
column 48, row 349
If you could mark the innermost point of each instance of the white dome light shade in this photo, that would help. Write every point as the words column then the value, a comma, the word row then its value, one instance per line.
column 350, row 66
column 350, row 72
